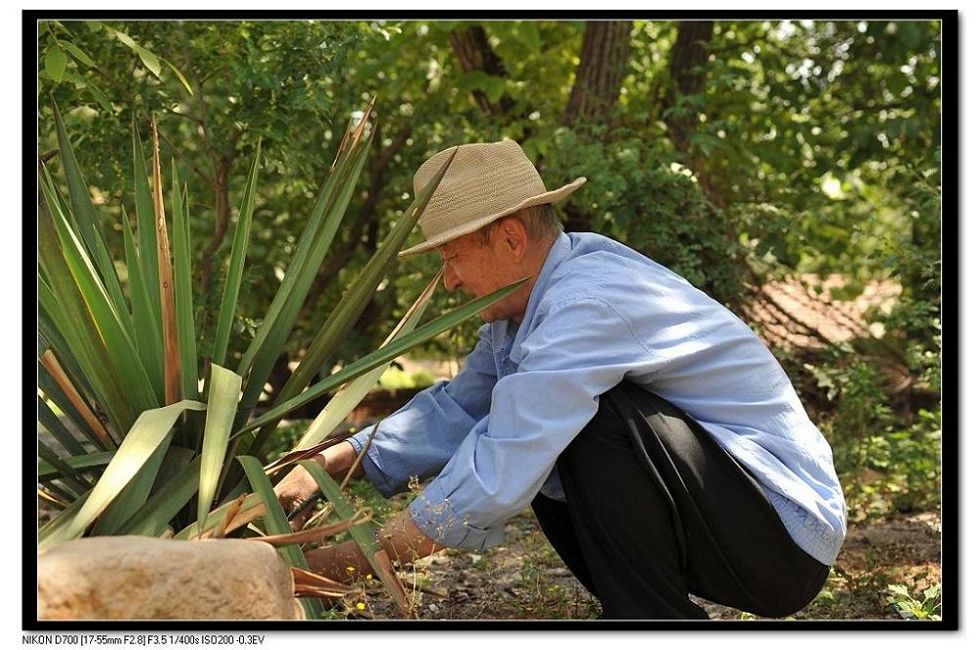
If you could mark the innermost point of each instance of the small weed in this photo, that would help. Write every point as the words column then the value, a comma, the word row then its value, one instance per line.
column 929, row 608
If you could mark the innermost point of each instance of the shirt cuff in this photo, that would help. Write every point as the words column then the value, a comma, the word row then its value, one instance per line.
column 372, row 470
column 435, row 516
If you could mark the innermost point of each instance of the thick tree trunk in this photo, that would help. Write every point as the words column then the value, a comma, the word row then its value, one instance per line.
column 603, row 60
column 688, row 71
column 602, row 67
column 473, row 50
column 688, row 76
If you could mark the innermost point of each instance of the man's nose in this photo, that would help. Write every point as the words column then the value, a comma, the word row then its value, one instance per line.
column 449, row 277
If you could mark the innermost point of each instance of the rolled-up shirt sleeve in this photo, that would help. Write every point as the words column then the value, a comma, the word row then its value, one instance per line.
column 419, row 438
column 580, row 349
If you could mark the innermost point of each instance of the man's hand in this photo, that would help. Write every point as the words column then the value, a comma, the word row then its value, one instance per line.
column 293, row 491
column 299, row 485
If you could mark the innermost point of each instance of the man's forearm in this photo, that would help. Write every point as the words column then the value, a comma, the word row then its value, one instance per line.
column 403, row 541
column 337, row 460
column 400, row 538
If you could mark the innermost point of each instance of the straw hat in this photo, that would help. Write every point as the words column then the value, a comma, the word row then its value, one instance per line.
column 485, row 181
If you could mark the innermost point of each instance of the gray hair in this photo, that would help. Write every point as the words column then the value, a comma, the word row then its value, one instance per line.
column 540, row 221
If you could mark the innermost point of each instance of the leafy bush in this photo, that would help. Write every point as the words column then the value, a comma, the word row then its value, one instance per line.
column 888, row 460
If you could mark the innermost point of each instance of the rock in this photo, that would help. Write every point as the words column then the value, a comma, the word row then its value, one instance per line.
column 133, row 577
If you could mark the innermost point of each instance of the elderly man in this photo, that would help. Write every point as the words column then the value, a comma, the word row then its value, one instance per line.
column 658, row 441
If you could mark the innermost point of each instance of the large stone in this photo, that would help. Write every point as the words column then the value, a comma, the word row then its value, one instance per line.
column 132, row 577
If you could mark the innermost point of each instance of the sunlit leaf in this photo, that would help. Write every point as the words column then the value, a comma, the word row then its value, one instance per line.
column 55, row 62
column 222, row 404
column 146, row 435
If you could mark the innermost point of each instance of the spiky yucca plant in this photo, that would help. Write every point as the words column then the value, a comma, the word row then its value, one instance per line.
column 151, row 454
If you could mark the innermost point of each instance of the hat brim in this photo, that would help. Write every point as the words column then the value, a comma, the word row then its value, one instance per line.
column 447, row 236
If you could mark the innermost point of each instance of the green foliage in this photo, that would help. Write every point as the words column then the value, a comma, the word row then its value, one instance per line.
column 638, row 193
column 929, row 607
column 394, row 378
column 888, row 461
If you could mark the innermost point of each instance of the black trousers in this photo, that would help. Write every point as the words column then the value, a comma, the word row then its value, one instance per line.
column 655, row 510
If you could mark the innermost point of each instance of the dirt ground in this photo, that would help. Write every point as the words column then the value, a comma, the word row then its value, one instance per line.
column 525, row 579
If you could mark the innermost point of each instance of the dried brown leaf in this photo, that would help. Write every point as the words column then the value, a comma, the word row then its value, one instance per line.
column 314, row 534
column 302, row 454
column 233, row 509
column 49, row 361
column 165, row 276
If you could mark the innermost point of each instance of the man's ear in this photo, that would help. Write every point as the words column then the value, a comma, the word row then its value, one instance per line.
column 515, row 237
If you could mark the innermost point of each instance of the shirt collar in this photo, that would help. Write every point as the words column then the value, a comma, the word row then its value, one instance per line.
column 560, row 250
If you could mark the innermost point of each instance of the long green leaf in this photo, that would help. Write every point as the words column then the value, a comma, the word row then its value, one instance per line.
column 365, row 535
column 327, row 194
column 86, row 222
column 147, row 335
column 134, row 495
column 183, row 81
column 386, row 353
column 277, row 326
column 350, row 307
column 63, row 304
column 183, row 293
column 112, row 330
column 146, row 229
column 236, row 263
column 277, row 524
column 289, row 299
column 81, row 464
column 53, row 425
column 222, row 404
column 344, row 400
column 313, row 243
column 68, row 475
column 147, row 433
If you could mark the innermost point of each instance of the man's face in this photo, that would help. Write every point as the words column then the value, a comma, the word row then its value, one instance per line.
column 478, row 270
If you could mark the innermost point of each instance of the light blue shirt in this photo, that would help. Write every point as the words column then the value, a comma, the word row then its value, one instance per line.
column 599, row 313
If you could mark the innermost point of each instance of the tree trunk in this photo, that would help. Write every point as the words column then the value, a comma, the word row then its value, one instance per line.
column 602, row 67
column 473, row 50
column 688, row 71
